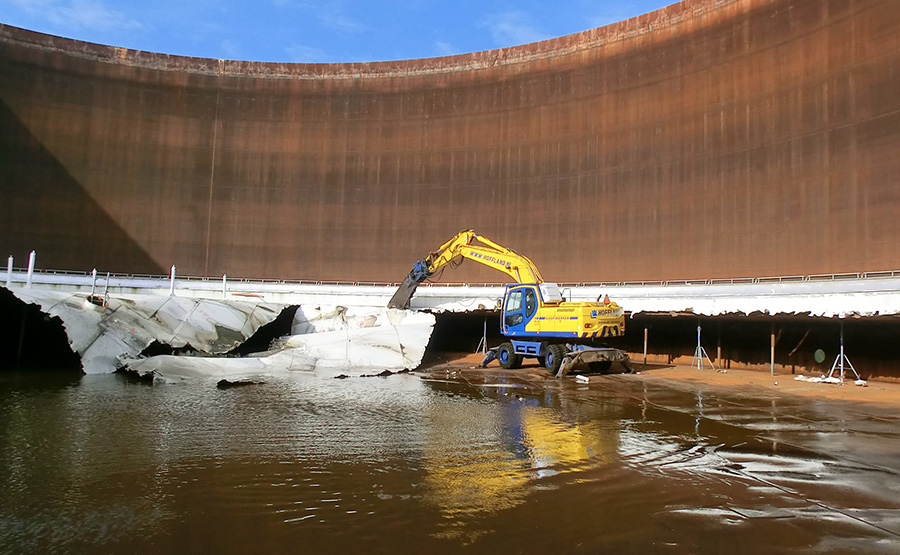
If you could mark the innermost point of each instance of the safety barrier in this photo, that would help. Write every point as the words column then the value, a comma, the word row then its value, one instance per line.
column 845, row 276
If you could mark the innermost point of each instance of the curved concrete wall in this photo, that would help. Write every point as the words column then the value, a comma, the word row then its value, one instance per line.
column 712, row 138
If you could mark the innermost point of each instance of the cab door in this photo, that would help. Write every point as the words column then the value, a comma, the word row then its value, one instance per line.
column 519, row 308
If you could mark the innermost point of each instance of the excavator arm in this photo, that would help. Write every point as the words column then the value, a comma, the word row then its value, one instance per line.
column 463, row 245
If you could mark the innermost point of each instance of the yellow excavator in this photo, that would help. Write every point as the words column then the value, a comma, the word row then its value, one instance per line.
column 535, row 318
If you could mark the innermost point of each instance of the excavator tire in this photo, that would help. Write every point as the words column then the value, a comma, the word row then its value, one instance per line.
column 507, row 357
column 554, row 357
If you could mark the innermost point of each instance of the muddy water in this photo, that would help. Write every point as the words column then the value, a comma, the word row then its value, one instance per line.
column 454, row 463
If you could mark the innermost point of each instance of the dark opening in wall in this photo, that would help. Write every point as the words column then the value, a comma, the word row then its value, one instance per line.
column 32, row 340
column 803, row 344
column 262, row 339
column 462, row 332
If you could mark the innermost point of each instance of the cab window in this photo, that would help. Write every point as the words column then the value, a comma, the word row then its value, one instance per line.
column 530, row 302
column 514, row 301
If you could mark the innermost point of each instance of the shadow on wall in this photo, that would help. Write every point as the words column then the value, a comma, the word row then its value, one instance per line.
column 45, row 209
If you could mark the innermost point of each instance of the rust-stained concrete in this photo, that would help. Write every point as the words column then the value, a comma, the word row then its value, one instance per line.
column 711, row 138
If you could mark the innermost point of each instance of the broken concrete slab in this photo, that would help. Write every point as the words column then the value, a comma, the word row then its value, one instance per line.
column 106, row 331
column 171, row 368
column 356, row 342
column 387, row 339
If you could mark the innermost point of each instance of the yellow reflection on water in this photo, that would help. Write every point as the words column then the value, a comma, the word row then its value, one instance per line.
column 492, row 457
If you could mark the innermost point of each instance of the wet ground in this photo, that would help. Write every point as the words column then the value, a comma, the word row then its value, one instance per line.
column 455, row 459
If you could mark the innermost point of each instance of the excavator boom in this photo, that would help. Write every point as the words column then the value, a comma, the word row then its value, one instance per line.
column 464, row 245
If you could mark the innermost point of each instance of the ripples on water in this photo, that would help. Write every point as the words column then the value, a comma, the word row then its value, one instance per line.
column 401, row 465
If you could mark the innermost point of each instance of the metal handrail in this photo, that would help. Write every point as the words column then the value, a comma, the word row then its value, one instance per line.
column 882, row 274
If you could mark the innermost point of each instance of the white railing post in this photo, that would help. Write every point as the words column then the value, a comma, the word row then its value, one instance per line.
column 93, row 281
column 30, row 269
column 172, row 281
column 224, row 286
column 9, row 266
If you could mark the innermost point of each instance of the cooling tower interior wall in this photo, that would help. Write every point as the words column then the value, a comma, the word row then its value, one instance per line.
column 711, row 138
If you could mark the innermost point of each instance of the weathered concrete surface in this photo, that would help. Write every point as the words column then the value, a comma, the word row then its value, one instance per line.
column 104, row 336
column 711, row 138
column 331, row 342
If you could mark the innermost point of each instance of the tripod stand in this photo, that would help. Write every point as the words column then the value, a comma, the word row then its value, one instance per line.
column 841, row 360
column 700, row 355
column 482, row 344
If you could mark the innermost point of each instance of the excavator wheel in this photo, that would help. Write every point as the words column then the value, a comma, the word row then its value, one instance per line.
column 554, row 357
column 507, row 357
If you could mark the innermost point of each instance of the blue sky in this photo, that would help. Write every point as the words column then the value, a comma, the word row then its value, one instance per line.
column 320, row 31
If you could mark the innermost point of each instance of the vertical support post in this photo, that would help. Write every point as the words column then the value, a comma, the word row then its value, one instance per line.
column 698, row 353
column 484, row 337
column 719, row 344
column 645, row 345
column 842, row 352
column 9, row 266
column 93, row 281
column 224, row 286
column 172, row 281
column 30, row 269
column 772, row 351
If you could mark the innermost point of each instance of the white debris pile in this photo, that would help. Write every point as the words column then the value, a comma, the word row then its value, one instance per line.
column 329, row 341
column 828, row 379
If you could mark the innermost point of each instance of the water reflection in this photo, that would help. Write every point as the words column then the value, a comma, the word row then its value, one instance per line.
column 405, row 465
column 489, row 457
